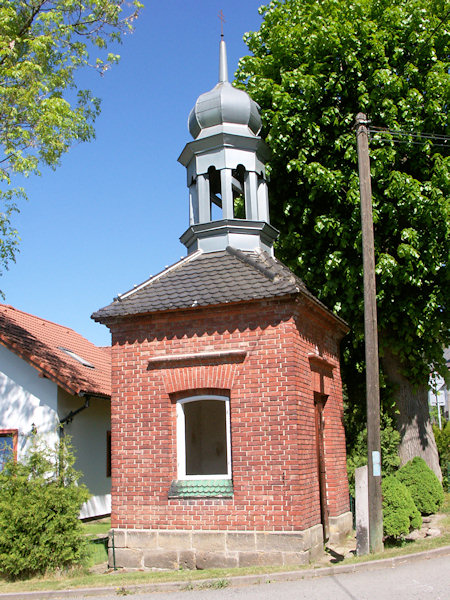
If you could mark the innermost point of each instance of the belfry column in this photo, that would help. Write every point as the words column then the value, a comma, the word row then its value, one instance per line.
column 193, row 203
column 204, row 202
column 251, row 196
column 263, row 201
column 226, row 185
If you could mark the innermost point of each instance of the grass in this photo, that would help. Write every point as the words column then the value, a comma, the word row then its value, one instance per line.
column 97, row 549
column 78, row 578
column 98, row 527
column 120, row 580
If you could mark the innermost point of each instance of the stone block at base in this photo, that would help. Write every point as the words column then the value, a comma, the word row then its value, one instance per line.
column 340, row 527
column 125, row 558
column 249, row 559
column 215, row 560
column 161, row 559
column 175, row 549
column 297, row 558
column 186, row 559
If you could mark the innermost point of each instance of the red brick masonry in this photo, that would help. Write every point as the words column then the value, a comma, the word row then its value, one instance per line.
column 269, row 357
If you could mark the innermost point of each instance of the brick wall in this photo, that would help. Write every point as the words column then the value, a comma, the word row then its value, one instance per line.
column 257, row 353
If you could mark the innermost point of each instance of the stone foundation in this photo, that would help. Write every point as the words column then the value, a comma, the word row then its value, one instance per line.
column 168, row 549
column 340, row 527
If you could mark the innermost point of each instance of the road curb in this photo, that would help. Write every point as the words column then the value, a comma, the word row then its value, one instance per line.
column 233, row 581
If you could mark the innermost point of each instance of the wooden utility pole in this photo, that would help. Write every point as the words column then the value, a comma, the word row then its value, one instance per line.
column 371, row 340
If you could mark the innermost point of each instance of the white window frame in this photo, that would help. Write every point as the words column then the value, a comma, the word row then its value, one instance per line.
column 181, row 442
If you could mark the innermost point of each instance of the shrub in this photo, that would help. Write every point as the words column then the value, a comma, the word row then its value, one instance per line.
column 39, row 506
column 400, row 514
column 442, row 437
column 357, row 456
column 423, row 485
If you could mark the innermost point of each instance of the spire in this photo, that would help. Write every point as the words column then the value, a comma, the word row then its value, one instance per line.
column 223, row 65
column 226, row 175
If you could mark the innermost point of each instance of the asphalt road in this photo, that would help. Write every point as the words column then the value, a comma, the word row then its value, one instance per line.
column 425, row 579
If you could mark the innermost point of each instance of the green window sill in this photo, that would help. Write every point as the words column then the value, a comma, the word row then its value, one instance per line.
column 201, row 488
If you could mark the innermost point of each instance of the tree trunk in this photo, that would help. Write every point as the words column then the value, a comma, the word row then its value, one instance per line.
column 413, row 418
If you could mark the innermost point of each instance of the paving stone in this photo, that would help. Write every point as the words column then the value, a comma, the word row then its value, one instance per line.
column 433, row 532
column 414, row 535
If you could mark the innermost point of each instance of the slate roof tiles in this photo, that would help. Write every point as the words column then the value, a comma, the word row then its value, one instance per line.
column 212, row 278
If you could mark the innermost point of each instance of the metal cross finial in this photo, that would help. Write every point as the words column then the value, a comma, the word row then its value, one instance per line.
column 222, row 21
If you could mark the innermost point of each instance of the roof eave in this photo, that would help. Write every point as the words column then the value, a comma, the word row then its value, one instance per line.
column 46, row 372
column 328, row 314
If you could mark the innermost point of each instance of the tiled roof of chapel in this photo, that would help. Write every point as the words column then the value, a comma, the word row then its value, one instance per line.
column 57, row 352
column 210, row 278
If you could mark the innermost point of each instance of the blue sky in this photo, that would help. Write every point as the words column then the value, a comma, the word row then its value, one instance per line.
column 110, row 216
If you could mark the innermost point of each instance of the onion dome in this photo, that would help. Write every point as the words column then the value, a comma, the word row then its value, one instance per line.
column 224, row 105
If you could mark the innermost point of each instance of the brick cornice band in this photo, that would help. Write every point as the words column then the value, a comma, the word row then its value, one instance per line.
column 204, row 358
column 183, row 372
column 320, row 361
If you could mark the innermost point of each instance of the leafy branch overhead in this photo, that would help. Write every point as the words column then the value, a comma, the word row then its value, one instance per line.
column 43, row 43
column 313, row 66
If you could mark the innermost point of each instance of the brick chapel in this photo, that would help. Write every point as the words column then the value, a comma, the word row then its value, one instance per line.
column 228, row 445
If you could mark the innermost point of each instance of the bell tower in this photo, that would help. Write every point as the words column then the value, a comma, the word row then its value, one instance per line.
column 226, row 175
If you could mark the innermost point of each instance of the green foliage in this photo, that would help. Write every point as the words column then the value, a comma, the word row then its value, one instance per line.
column 40, row 502
column 400, row 514
column 442, row 437
column 423, row 485
column 42, row 46
column 357, row 454
column 314, row 66
column 97, row 552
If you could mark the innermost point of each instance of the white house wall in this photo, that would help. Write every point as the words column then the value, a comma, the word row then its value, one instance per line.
column 26, row 399
column 88, row 431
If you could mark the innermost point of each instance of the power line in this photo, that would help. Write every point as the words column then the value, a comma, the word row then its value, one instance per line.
column 442, row 21
column 436, row 139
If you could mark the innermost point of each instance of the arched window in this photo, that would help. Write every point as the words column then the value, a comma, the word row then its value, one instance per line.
column 203, row 438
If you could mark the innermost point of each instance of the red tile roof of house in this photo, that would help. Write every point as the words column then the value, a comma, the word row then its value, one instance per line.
column 57, row 352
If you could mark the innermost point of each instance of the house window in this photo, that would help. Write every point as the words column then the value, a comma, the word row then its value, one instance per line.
column 203, row 438
column 8, row 445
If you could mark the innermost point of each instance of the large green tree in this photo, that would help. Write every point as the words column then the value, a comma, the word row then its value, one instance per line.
column 314, row 66
column 43, row 43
